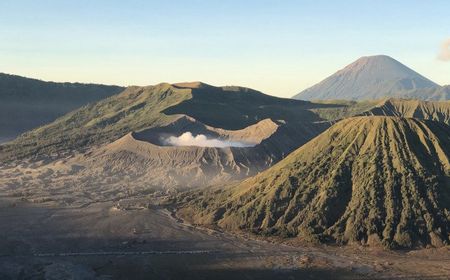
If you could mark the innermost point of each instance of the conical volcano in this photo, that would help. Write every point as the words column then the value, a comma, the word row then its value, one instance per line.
column 372, row 77
column 374, row 180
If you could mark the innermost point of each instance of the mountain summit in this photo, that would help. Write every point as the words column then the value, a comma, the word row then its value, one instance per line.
column 372, row 77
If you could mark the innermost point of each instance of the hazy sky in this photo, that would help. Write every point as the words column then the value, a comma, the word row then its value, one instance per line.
column 278, row 47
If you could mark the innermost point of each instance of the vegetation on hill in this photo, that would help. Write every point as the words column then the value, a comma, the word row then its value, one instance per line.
column 28, row 103
column 427, row 110
column 139, row 108
column 382, row 181
column 238, row 107
column 102, row 122
column 411, row 108
column 340, row 109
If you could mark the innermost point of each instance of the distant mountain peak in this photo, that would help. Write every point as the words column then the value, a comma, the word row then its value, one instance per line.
column 377, row 57
column 370, row 77
column 382, row 65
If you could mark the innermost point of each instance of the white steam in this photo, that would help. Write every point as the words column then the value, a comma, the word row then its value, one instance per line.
column 200, row 140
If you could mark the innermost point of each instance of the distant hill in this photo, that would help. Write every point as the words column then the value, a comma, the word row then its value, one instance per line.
column 119, row 146
column 382, row 181
column 139, row 108
column 436, row 93
column 375, row 77
column 426, row 110
column 411, row 108
column 28, row 103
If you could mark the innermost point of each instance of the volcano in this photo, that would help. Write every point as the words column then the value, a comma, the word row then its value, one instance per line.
column 382, row 181
column 374, row 77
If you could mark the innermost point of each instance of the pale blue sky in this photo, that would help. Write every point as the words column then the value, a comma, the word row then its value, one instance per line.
column 278, row 47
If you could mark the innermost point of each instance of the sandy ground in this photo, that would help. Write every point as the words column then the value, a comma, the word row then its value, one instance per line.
column 102, row 241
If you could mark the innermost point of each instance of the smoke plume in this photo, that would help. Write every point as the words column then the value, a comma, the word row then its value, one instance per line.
column 200, row 140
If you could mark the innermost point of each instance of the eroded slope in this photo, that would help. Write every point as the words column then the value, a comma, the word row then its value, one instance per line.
column 427, row 110
column 376, row 180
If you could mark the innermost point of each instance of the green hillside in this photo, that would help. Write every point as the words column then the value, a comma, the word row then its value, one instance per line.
column 139, row 108
column 28, row 103
column 382, row 181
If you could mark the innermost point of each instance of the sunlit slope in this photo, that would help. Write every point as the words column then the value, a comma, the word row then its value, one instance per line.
column 138, row 108
column 376, row 180
column 28, row 103
column 428, row 110
column 98, row 123
column 395, row 107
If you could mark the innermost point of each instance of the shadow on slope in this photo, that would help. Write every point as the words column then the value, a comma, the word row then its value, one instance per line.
column 381, row 181
column 238, row 107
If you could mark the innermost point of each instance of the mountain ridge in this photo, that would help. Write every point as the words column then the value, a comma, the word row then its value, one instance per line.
column 29, row 103
column 137, row 108
column 428, row 110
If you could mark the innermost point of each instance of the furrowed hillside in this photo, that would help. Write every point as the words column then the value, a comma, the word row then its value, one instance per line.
column 427, row 110
column 410, row 108
column 382, row 181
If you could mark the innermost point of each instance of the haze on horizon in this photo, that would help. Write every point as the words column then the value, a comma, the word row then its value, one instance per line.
column 278, row 49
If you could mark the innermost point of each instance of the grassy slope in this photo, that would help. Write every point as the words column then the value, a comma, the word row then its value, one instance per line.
column 28, row 103
column 135, row 108
column 378, row 180
column 339, row 109
column 429, row 110
column 237, row 107
column 138, row 108
column 145, row 107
